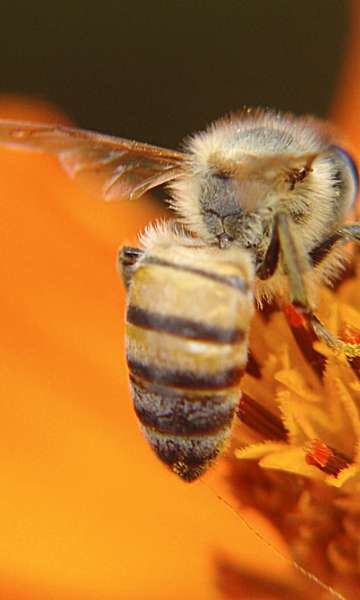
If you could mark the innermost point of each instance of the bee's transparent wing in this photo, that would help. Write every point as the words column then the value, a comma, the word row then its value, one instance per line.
column 115, row 167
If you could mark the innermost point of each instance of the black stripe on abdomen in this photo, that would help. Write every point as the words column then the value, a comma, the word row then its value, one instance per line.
column 185, row 328
column 234, row 281
column 185, row 379
column 182, row 413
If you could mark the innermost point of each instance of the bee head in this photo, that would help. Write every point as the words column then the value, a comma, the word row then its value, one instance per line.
column 241, row 171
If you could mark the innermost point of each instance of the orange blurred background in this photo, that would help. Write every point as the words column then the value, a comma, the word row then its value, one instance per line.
column 86, row 510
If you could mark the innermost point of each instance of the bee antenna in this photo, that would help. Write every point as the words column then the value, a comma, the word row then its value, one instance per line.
column 304, row 572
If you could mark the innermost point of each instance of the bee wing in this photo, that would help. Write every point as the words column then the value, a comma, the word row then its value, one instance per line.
column 115, row 167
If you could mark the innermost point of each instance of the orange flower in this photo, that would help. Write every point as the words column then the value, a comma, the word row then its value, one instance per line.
column 301, row 425
column 86, row 510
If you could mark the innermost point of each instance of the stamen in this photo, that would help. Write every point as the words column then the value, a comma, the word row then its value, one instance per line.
column 305, row 338
column 351, row 337
column 261, row 420
column 327, row 459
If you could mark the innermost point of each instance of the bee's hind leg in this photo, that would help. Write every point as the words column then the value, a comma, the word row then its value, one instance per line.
column 127, row 259
column 342, row 235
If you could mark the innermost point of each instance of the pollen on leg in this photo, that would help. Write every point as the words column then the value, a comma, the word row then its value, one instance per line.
column 351, row 338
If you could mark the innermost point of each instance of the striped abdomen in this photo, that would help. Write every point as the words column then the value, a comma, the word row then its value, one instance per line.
column 187, row 321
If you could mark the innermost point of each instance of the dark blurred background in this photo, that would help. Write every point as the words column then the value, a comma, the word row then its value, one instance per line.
column 156, row 70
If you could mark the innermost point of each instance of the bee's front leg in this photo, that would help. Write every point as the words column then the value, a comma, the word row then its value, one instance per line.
column 296, row 263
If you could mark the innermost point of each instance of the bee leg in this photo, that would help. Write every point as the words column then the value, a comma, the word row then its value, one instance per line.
column 342, row 235
column 127, row 259
column 296, row 263
column 268, row 266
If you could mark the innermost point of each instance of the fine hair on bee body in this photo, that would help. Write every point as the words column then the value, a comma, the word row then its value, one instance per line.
column 262, row 176
column 188, row 317
column 262, row 200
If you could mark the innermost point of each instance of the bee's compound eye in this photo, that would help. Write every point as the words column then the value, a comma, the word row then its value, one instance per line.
column 348, row 160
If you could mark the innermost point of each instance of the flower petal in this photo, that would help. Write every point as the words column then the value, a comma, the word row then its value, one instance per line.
column 291, row 460
column 257, row 451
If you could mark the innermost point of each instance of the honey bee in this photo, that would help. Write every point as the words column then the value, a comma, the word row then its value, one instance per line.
column 261, row 199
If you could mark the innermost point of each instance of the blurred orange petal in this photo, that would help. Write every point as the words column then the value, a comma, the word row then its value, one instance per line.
column 346, row 106
column 86, row 510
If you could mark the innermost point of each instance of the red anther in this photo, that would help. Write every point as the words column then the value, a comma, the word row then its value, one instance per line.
column 318, row 454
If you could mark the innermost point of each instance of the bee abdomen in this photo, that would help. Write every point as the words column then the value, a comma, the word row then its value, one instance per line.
column 179, row 413
column 186, row 415
column 187, row 456
column 187, row 351
column 187, row 428
column 186, row 431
